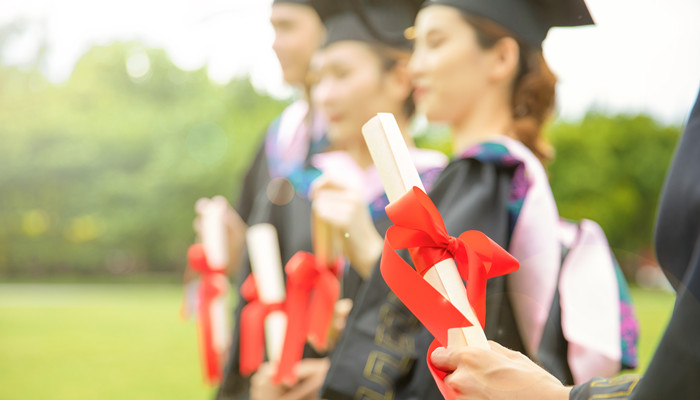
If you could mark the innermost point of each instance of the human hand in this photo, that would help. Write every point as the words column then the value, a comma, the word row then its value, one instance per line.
column 261, row 385
column 344, row 210
column 311, row 373
column 340, row 317
column 495, row 374
column 234, row 228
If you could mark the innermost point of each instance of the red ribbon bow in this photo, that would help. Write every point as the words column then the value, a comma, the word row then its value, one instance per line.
column 213, row 284
column 419, row 227
column 253, row 314
column 312, row 291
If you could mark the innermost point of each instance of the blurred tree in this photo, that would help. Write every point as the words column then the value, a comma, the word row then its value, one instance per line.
column 610, row 169
column 99, row 174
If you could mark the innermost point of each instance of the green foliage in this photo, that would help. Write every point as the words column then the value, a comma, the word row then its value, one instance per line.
column 100, row 174
column 611, row 170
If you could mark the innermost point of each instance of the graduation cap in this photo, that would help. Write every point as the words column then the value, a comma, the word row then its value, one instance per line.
column 372, row 21
column 529, row 19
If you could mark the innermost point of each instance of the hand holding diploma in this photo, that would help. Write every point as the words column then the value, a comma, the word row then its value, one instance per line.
column 310, row 371
column 222, row 232
column 419, row 228
column 313, row 289
column 348, row 223
column 496, row 373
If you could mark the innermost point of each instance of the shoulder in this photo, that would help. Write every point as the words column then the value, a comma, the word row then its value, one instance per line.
column 496, row 152
column 498, row 156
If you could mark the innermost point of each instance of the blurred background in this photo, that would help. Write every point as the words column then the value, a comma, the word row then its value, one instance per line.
column 115, row 116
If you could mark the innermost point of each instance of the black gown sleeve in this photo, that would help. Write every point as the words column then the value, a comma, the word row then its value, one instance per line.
column 382, row 352
column 674, row 372
column 255, row 182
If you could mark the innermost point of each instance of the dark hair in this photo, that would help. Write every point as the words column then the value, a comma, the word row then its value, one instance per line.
column 533, row 95
column 389, row 57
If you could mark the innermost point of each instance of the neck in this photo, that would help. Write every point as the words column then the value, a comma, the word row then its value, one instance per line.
column 488, row 118
column 357, row 149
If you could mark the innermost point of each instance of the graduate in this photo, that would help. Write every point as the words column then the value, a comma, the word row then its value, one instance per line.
column 673, row 373
column 361, row 70
column 276, row 171
column 278, row 168
column 478, row 66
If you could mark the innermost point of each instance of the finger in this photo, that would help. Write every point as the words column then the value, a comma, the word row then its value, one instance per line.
column 303, row 390
column 453, row 381
column 337, row 196
column 317, row 185
column 331, row 181
column 343, row 307
column 201, row 204
column 332, row 198
column 311, row 373
column 464, row 384
column 334, row 213
column 219, row 200
column 310, row 366
column 340, row 314
column 444, row 359
column 498, row 348
column 234, row 224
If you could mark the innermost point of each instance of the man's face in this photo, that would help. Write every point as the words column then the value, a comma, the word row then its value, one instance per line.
column 298, row 33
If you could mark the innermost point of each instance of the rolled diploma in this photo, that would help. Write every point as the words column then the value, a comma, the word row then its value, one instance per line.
column 266, row 263
column 214, row 234
column 220, row 322
column 398, row 174
column 324, row 245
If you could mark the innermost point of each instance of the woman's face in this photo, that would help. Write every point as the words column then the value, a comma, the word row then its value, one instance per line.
column 448, row 67
column 350, row 87
column 298, row 33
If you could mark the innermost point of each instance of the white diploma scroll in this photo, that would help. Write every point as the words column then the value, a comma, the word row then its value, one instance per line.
column 399, row 175
column 214, row 235
column 266, row 264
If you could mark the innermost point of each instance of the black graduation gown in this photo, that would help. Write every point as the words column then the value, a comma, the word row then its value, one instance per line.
column 674, row 372
column 382, row 352
column 255, row 182
column 293, row 224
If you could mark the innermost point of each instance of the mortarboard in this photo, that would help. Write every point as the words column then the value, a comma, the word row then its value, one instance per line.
column 372, row 21
column 529, row 19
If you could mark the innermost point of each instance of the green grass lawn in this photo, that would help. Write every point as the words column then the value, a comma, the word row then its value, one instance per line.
column 61, row 342
column 97, row 342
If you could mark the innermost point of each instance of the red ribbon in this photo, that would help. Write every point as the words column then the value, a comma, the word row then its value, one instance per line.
column 312, row 291
column 419, row 227
column 252, row 327
column 213, row 284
